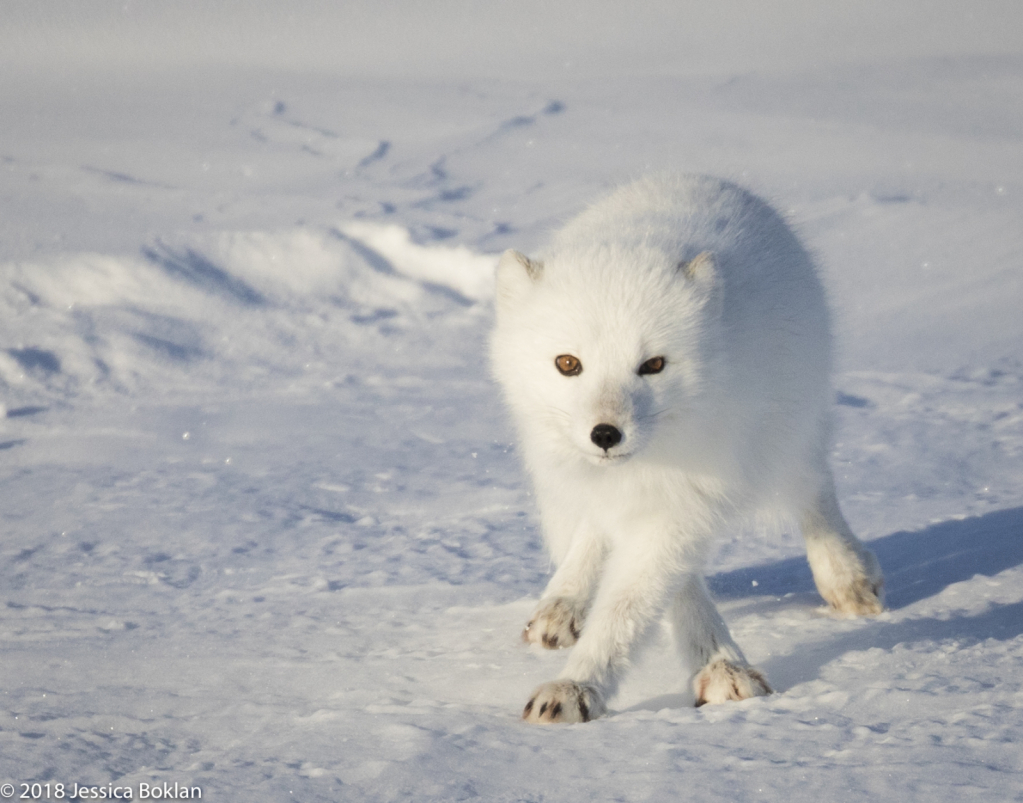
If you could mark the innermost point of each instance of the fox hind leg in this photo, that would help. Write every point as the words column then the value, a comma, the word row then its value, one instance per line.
column 845, row 572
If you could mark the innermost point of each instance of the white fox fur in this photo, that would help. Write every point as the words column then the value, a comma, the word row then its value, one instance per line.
column 699, row 394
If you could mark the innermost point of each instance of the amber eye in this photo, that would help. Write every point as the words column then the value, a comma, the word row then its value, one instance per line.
column 568, row 365
column 652, row 366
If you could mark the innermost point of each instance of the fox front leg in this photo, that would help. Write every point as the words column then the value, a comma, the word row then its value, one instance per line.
column 558, row 620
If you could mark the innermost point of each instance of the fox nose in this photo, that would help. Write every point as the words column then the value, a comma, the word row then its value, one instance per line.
column 605, row 436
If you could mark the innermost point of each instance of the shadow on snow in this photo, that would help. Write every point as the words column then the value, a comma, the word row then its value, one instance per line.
column 916, row 565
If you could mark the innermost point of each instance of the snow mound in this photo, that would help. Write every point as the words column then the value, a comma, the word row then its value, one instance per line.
column 236, row 308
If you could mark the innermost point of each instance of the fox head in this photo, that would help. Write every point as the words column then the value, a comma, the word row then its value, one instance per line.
column 605, row 356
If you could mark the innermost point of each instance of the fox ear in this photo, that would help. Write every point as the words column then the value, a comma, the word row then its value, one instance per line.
column 702, row 273
column 700, row 270
column 515, row 274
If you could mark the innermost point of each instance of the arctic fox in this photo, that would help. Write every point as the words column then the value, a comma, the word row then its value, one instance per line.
column 667, row 366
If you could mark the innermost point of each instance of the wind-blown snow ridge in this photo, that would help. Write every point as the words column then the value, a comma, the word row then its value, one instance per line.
column 458, row 268
column 194, row 313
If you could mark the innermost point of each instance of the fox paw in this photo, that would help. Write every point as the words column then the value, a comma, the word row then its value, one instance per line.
column 863, row 597
column 563, row 701
column 722, row 680
column 848, row 578
column 557, row 622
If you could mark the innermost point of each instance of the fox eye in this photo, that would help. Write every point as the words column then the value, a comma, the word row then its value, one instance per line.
column 568, row 365
column 652, row 366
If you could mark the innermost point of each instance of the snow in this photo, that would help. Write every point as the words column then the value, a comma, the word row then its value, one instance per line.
column 265, row 529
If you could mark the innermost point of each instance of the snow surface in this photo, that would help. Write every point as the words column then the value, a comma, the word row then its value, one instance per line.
column 265, row 530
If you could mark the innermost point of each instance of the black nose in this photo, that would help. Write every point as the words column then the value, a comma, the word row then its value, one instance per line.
column 605, row 436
